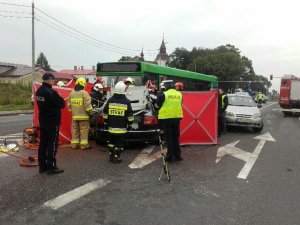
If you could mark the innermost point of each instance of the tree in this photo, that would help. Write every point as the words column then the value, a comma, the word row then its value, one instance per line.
column 42, row 62
column 130, row 59
column 180, row 58
column 225, row 62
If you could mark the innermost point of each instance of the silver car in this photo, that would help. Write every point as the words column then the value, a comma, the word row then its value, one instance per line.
column 242, row 111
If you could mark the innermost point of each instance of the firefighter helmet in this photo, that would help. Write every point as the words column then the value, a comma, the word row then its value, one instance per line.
column 60, row 84
column 129, row 79
column 81, row 81
column 99, row 80
column 179, row 86
column 97, row 87
column 120, row 88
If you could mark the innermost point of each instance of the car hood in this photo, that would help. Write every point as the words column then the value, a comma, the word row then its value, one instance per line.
column 242, row 110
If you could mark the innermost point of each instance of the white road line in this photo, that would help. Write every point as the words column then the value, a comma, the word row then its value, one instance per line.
column 144, row 158
column 75, row 194
column 148, row 149
column 269, row 105
column 2, row 155
column 12, row 135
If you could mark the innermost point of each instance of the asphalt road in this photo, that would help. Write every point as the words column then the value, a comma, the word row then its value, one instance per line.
column 14, row 123
column 201, row 191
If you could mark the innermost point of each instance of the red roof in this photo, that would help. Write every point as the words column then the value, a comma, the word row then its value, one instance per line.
column 78, row 72
column 63, row 76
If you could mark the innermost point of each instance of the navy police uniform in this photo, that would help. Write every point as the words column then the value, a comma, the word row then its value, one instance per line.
column 49, row 103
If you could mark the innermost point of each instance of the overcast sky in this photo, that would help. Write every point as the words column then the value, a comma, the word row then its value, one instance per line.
column 265, row 31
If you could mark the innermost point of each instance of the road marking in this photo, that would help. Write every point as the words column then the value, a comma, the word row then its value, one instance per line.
column 269, row 105
column 248, row 157
column 9, row 136
column 18, row 137
column 3, row 155
column 75, row 194
column 144, row 158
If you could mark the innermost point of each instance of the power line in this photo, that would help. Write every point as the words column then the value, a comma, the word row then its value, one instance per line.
column 13, row 4
column 71, row 32
column 5, row 11
column 134, row 50
column 18, row 17
column 75, row 35
column 80, row 39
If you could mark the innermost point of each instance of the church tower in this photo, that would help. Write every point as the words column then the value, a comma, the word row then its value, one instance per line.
column 162, row 57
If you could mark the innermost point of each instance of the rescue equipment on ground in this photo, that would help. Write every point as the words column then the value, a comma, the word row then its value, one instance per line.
column 27, row 161
column 31, row 138
column 164, row 168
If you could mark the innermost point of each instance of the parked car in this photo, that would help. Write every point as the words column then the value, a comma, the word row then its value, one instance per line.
column 243, row 112
column 145, row 124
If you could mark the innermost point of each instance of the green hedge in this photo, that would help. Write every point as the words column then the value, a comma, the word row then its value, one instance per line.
column 15, row 95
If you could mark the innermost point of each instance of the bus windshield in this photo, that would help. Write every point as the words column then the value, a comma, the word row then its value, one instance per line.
column 112, row 80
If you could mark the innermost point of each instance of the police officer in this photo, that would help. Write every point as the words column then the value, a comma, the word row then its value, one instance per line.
column 49, row 103
column 118, row 118
column 170, row 113
column 260, row 98
column 223, row 103
column 80, row 105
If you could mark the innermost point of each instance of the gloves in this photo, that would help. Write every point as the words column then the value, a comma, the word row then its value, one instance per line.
column 129, row 127
column 92, row 112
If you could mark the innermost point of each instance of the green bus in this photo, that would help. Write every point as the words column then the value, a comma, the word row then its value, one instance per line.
column 142, row 72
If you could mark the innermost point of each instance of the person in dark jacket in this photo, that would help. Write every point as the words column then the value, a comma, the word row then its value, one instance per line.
column 97, row 96
column 49, row 103
column 223, row 103
column 118, row 118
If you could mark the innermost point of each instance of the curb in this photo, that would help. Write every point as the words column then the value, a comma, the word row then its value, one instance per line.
column 9, row 113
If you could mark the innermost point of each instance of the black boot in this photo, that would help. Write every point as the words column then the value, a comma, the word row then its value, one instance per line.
column 111, row 153
column 117, row 154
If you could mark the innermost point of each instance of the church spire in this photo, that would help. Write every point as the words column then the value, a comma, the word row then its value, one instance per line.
column 142, row 54
column 162, row 57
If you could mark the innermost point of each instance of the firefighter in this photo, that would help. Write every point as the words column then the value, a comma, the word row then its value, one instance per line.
column 80, row 105
column 49, row 103
column 98, row 100
column 170, row 113
column 129, row 82
column 60, row 84
column 118, row 118
column 223, row 103
column 97, row 96
column 179, row 86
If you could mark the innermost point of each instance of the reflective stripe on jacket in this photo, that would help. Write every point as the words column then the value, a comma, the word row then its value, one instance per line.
column 118, row 114
column 171, row 107
column 80, row 105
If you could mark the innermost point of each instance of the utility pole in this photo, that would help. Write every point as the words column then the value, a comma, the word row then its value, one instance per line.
column 33, row 45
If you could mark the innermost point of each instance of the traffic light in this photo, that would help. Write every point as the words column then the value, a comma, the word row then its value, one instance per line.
column 271, row 77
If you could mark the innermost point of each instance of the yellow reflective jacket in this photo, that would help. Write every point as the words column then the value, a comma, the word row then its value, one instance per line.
column 79, row 104
column 171, row 107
